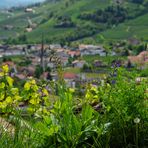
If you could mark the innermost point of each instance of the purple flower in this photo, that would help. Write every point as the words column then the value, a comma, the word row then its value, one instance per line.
column 113, row 81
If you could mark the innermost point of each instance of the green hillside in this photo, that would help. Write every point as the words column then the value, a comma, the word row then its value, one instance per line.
column 77, row 20
column 137, row 28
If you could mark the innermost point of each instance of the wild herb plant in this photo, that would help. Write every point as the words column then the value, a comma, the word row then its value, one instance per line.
column 113, row 114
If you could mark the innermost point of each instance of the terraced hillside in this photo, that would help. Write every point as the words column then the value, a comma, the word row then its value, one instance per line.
column 67, row 21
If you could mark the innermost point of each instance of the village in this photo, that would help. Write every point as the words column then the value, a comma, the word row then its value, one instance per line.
column 81, row 65
column 74, row 73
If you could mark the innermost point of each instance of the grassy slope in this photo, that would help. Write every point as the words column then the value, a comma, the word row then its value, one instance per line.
column 73, row 11
column 137, row 27
column 133, row 28
column 19, row 18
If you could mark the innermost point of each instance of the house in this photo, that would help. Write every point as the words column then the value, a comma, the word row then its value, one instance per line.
column 64, row 61
column 29, row 10
column 69, row 76
column 83, row 46
column 74, row 53
column 13, row 52
column 144, row 56
column 141, row 59
column 55, row 46
column 34, row 60
column 92, row 50
column 78, row 64
column 61, row 52
column 29, row 29
column 70, row 79
column 4, row 47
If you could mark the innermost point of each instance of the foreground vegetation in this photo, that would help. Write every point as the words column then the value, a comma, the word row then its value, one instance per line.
column 114, row 114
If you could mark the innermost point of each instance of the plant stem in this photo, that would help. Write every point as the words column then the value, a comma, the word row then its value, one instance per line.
column 137, row 136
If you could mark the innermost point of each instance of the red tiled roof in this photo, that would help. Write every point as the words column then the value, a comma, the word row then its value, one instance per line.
column 134, row 59
column 77, row 53
column 70, row 76
column 141, row 58
column 143, row 53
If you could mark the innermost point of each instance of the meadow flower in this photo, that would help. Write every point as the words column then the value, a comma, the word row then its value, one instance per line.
column 113, row 82
column 10, row 81
column 5, row 68
column 136, row 120
column 27, row 86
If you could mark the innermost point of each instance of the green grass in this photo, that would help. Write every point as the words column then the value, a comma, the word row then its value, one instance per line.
column 72, row 70
column 108, row 59
column 94, row 75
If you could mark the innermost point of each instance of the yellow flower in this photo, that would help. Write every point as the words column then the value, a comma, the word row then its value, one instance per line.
column 3, row 105
column 96, row 97
column 9, row 100
column 2, row 85
column 45, row 92
column 1, row 74
column 10, row 81
column 18, row 98
column 88, row 95
column 5, row 68
column 14, row 91
column 2, row 96
column 35, row 87
column 33, row 82
column 27, row 86
column 93, row 88
column 33, row 101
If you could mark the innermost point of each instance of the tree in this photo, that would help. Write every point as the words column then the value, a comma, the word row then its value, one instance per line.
column 140, row 48
column 38, row 71
column 22, row 38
